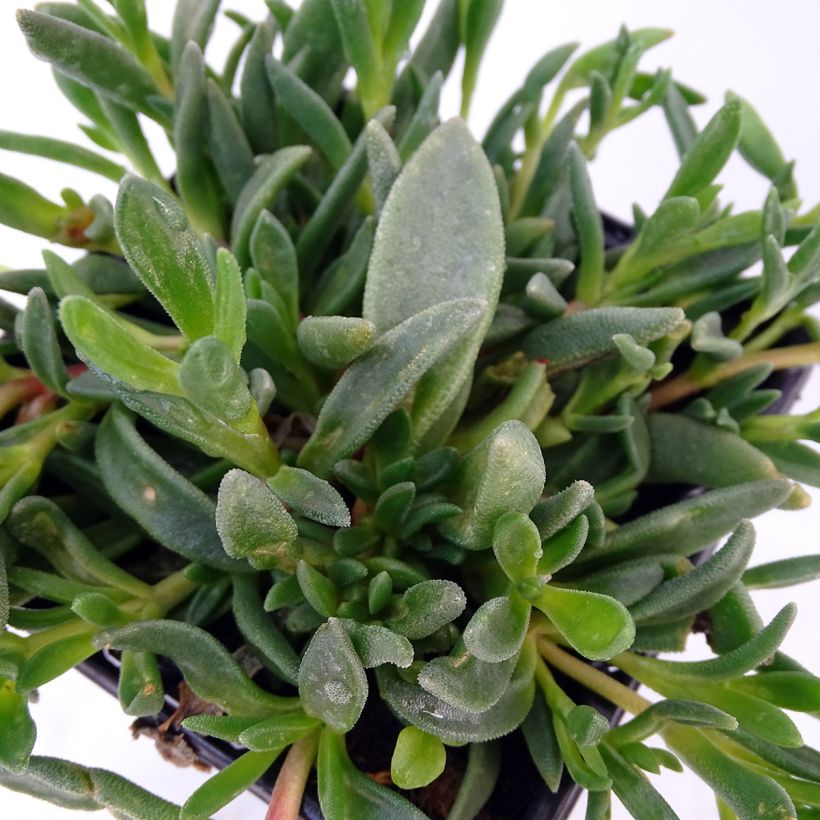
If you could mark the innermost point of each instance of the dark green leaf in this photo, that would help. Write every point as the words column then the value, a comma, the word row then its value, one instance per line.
column 161, row 500
column 208, row 667
column 359, row 402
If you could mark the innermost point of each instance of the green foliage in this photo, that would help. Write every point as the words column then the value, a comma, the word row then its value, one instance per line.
column 352, row 390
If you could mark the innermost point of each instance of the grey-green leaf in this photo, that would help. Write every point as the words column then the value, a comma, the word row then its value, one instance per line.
column 440, row 237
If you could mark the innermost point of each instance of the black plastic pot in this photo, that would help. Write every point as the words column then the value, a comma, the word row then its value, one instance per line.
column 520, row 793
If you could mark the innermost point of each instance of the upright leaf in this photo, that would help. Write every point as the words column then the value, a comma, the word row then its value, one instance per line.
column 450, row 247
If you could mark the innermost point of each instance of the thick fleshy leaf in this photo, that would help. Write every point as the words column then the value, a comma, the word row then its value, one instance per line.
column 633, row 789
column 432, row 715
column 784, row 573
column 345, row 792
column 333, row 342
column 274, row 256
column 214, row 382
column 450, row 248
column 679, row 445
column 17, row 727
column 376, row 645
column 312, row 497
column 236, row 778
column 193, row 21
column 748, row 793
column 311, row 112
column 140, row 686
column 595, row 625
column 105, row 343
column 562, row 548
column 656, row 717
column 319, row 591
column 359, row 402
column 332, row 682
column 278, row 732
column 260, row 630
column 43, row 527
column 554, row 513
column 383, row 162
column 40, row 344
column 417, row 760
column 708, row 153
column 576, row 340
column 690, row 525
column 426, row 606
column 229, row 303
column 463, row 681
column 503, row 474
column 253, row 523
column 171, row 509
column 260, row 192
column 756, row 651
column 517, row 546
column 539, row 735
column 497, row 629
column 196, row 178
column 163, row 250
column 208, row 667
column 87, row 789
column 701, row 588
column 93, row 60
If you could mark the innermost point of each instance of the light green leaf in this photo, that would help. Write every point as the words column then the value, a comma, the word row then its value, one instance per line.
column 376, row 645
column 595, row 625
column 783, row 573
column 463, row 681
column 418, row 759
column 229, row 303
column 680, row 445
column 311, row 496
column 93, row 60
column 517, row 546
column 278, row 732
column 311, row 112
column 17, row 727
column 576, row 340
column 104, row 343
column 703, row 586
column 163, row 250
column 710, row 151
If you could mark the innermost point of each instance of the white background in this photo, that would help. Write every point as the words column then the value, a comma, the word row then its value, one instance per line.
column 766, row 52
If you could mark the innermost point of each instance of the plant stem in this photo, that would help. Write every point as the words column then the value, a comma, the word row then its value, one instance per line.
column 595, row 680
column 781, row 358
column 286, row 799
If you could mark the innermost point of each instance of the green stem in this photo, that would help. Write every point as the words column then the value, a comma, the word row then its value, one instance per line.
column 782, row 358
column 595, row 680
column 286, row 799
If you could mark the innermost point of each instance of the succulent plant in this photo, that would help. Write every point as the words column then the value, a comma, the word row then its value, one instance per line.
column 353, row 391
